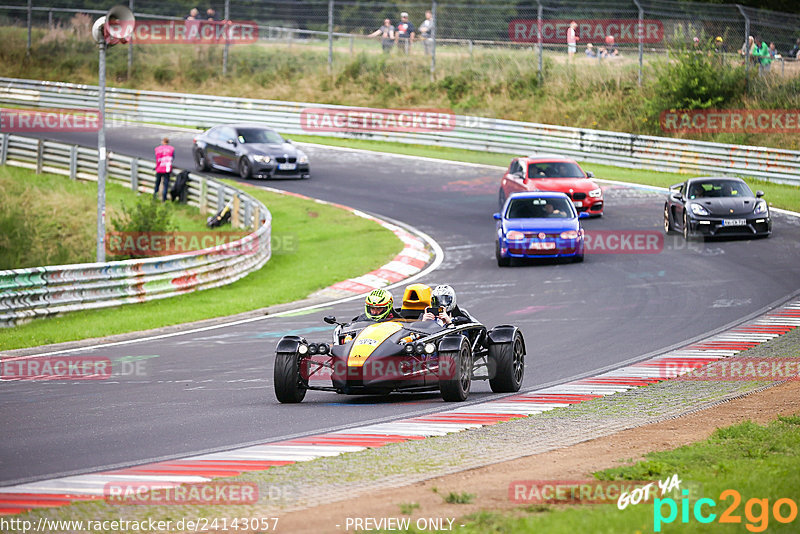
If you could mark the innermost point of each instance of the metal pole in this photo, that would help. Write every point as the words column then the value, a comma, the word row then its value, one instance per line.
column 539, row 38
column 30, row 23
column 130, row 46
column 433, row 41
column 640, row 31
column 746, row 41
column 226, row 17
column 101, row 161
column 330, row 36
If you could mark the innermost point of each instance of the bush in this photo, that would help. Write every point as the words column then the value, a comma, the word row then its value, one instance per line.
column 147, row 215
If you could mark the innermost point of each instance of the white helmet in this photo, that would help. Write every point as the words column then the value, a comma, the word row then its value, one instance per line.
column 446, row 296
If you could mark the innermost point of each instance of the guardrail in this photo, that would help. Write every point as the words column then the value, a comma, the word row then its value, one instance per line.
column 477, row 133
column 26, row 294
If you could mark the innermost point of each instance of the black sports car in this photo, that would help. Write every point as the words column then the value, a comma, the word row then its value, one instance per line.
column 716, row 206
column 250, row 150
column 402, row 354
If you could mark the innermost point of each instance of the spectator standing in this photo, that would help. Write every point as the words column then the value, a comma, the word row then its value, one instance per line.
column 164, row 156
column 387, row 35
column 794, row 53
column 762, row 53
column 572, row 39
column 426, row 33
column 211, row 15
column 773, row 52
column 192, row 25
column 719, row 45
column 749, row 48
column 404, row 37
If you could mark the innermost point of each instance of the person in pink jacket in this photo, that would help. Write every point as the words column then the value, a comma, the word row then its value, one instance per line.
column 164, row 155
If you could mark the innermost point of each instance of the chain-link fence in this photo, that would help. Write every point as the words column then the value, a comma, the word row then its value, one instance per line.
column 521, row 35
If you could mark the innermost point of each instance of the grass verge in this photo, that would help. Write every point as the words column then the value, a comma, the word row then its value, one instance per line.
column 318, row 245
column 47, row 219
column 726, row 461
column 778, row 195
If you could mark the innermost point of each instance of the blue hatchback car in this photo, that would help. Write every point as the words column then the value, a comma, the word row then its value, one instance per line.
column 538, row 224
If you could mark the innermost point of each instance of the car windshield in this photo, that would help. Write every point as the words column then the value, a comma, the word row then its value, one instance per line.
column 259, row 135
column 718, row 189
column 555, row 169
column 539, row 208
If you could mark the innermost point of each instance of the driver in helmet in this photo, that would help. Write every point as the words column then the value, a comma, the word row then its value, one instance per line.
column 445, row 296
column 378, row 307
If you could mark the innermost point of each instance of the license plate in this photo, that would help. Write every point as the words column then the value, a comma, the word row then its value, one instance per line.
column 543, row 246
column 578, row 203
column 287, row 166
column 734, row 222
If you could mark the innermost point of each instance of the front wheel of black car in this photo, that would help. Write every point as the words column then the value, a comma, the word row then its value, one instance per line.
column 668, row 229
column 245, row 168
column 200, row 161
column 289, row 388
column 455, row 373
column 507, row 360
column 687, row 233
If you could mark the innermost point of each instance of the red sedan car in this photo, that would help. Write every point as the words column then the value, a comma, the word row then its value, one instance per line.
column 554, row 173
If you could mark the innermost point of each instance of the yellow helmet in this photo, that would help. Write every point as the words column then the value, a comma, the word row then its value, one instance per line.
column 378, row 304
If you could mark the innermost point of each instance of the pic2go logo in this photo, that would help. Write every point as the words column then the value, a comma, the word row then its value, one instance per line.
column 756, row 511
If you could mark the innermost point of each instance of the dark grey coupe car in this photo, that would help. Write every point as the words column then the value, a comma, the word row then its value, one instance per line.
column 251, row 150
column 716, row 206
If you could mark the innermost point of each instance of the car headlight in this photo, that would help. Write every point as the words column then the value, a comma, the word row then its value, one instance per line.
column 261, row 159
column 596, row 193
column 569, row 234
column 302, row 158
column 697, row 209
column 761, row 207
column 430, row 348
column 515, row 235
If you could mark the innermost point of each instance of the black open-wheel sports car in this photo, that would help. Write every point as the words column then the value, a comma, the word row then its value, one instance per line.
column 401, row 354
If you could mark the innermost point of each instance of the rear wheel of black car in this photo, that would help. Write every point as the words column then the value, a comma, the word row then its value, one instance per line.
column 507, row 360
column 245, row 168
column 200, row 160
column 289, row 386
column 455, row 373
column 668, row 228
column 501, row 261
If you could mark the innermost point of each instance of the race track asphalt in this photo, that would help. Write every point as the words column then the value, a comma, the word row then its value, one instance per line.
column 212, row 390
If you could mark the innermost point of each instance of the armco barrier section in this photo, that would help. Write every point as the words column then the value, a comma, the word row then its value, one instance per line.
column 477, row 133
column 40, row 291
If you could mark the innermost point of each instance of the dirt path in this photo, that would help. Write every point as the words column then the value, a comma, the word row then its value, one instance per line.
column 490, row 484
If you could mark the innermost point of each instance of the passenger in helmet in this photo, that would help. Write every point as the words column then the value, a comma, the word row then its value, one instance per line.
column 445, row 297
column 378, row 307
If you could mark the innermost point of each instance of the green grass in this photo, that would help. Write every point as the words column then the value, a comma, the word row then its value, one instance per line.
column 778, row 195
column 47, row 219
column 729, row 459
column 331, row 245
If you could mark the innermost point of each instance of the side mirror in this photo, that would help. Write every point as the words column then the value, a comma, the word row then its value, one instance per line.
column 497, row 216
column 589, row 174
column 583, row 215
column 232, row 142
column 759, row 194
column 330, row 319
column 288, row 141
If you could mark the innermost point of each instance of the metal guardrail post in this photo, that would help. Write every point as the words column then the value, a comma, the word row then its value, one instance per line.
column 248, row 214
column 433, row 40
column 101, row 160
column 73, row 162
column 235, row 222
column 39, row 156
column 352, row 39
column 3, row 148
column 746, row 41
column 220, row 198
column 130, row 45
column 135, row 175
column 330, row 36
column 203, row 195
column 50, row 19
column 539, row 39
